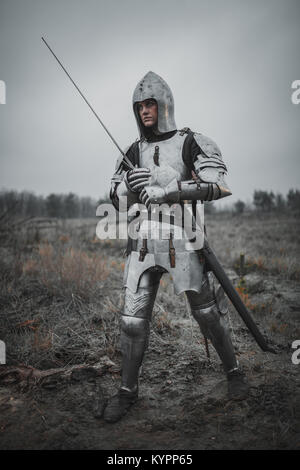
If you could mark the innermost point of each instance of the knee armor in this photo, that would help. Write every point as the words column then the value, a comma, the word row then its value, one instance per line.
column 134, row 336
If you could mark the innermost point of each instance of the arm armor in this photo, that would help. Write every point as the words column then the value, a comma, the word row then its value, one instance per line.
column 119, row 186
column 208, row 173
column 177, row 191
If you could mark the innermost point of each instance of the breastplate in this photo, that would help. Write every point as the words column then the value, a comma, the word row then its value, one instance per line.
column 167, row 164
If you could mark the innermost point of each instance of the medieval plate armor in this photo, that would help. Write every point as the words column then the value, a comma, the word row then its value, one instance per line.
column 185, row 167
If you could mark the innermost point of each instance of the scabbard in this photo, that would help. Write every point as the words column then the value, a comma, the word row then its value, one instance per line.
column 214, row 265
column 171, row 251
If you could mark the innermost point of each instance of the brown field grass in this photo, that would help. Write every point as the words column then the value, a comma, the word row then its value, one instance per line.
column 61, row 287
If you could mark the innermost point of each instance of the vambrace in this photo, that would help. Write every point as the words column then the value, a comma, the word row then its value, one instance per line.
column 192, row 190
column 196, row 190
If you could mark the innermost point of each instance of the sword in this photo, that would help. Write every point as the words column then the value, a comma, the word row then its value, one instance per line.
column 126, row 160
column 214, row 265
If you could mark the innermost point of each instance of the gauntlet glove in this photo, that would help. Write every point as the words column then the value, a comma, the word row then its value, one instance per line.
column 137, row 179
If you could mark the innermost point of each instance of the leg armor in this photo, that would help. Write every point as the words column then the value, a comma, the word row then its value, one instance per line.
column 209, row 308
column 135, row 326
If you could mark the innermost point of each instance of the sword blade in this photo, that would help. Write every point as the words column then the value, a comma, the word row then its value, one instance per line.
column 126, row 159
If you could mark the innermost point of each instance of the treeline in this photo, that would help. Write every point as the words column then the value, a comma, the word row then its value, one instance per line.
column 264, row 201
column 28, row 204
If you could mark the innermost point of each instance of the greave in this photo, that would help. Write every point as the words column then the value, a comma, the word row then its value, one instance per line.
column 213, row 326
column 134, row 342
column 135, row 326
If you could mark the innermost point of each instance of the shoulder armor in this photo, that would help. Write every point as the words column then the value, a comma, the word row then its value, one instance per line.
column 209, row 165
column 207, row 145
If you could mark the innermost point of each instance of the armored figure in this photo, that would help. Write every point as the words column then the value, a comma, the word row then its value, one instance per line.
column 170, row 167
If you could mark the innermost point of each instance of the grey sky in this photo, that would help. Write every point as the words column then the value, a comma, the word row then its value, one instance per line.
column 229, row 63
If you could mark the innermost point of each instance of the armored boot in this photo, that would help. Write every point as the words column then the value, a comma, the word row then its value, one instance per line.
column 119, row 404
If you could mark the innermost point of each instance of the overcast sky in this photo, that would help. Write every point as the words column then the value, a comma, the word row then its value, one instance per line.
column 229, row 63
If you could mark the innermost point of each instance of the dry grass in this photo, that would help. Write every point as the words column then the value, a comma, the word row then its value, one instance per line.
column 60, row 296
column 61, row 290
column 270, row 243
column 63, row 269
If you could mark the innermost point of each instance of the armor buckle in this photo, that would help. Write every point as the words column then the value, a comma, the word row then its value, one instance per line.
column 143, row 250
column 171, row 251
column 183, row 131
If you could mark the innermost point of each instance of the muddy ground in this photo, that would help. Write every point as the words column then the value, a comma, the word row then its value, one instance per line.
column 63, row 357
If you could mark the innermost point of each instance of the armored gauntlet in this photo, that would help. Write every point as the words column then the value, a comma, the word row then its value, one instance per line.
column 136, row 179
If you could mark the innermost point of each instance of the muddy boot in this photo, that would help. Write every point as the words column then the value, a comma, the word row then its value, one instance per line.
column 238, row 388
column 119, row 404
